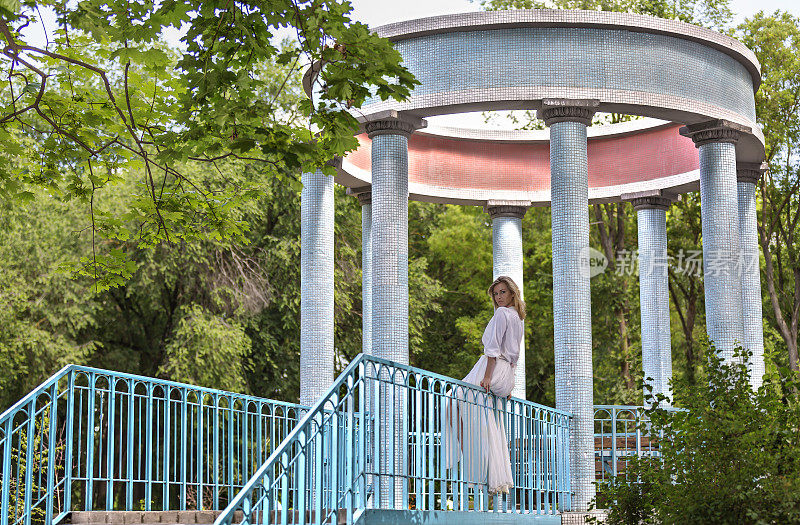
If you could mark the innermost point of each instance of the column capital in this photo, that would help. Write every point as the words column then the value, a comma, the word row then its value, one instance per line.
column 501, row 208
column 651, row 203
column 655, row 199
column 365, row 199
column 392, row 122
column 556, row 110
column 750, row 171
column 362, row 193
column 719, row 130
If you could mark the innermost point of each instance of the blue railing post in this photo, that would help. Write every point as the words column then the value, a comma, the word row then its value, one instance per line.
column 300, row 480
column 166, row 448
column 405, row 461
column 112, row 386
column 216, row 451
column 259, row 432
column 638, row 421
column 51, row 452
column 90, row 443
column 6, row 471
column 614, row 442
column 284, row 489
column 148, row 468
column 129, row 443
column 184, row 446
column 70, row 418
column 231, row 478
column 419, row 445
column 567, row 467
column 361, row 500
column 200, row 458
column 29, row 449
column 350, row 450
column 377, row 476
column 512, row 432
column 318, row 466
column 334, row 452
column 245, row 443
column 431, row 457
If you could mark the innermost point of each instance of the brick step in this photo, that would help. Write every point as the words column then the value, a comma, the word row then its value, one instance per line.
column 624, row 442
column 177, row 517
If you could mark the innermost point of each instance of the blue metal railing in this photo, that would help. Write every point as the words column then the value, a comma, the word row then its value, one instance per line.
column 620, row 433
column 343, row 458
column 92, row 439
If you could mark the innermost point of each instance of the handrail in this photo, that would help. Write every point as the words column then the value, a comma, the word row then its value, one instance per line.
column 130, row 442
column 621, row 432
column 343, row 458
column 124, row 375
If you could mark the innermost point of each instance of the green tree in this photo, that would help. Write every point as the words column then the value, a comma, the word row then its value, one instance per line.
column 42, row 311
column 206, row 350
column 715, row 14
column 456, row 243
column 684, row 229
column 614, row 300
column 731, row 455
column 775, row 39
column 102, row 98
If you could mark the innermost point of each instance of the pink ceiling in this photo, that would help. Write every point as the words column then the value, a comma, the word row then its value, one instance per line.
column 453, row 163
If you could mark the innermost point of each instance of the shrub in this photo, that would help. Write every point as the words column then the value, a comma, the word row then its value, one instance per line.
column 733, row 456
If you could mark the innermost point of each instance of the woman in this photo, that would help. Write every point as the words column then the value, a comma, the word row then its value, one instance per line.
column 475, row 425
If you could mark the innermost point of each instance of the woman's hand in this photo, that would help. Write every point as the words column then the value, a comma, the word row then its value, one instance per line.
column 487, row 376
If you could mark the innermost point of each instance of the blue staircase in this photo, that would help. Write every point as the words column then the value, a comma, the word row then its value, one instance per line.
column 88, row 441
column 95, row 440
column 344, row 462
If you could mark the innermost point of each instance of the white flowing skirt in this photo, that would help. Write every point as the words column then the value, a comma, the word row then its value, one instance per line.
column 474, row 432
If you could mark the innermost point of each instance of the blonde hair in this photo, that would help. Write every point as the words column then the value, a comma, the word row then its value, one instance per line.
column 516, row 298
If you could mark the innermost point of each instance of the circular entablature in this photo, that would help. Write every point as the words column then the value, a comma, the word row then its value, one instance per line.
column 631, row 64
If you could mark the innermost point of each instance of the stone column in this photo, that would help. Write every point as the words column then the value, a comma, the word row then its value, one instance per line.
column 365, row 198
column 572, row 316
column 316, row 286
column 719, row 206
column 390, row 286
column 651, row 214
column 507, row 260
column 752, row 327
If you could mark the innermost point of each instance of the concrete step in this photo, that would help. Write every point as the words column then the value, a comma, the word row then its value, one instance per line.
column 175, row 517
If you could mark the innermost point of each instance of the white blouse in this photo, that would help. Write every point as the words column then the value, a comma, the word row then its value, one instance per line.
column 503, row 335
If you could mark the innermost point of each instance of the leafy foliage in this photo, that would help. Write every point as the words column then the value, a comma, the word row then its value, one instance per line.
column 103, row 98
column 711, row 13
column 732, row 456
column 775, row 40
column 206, row 350
column 41, row 309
